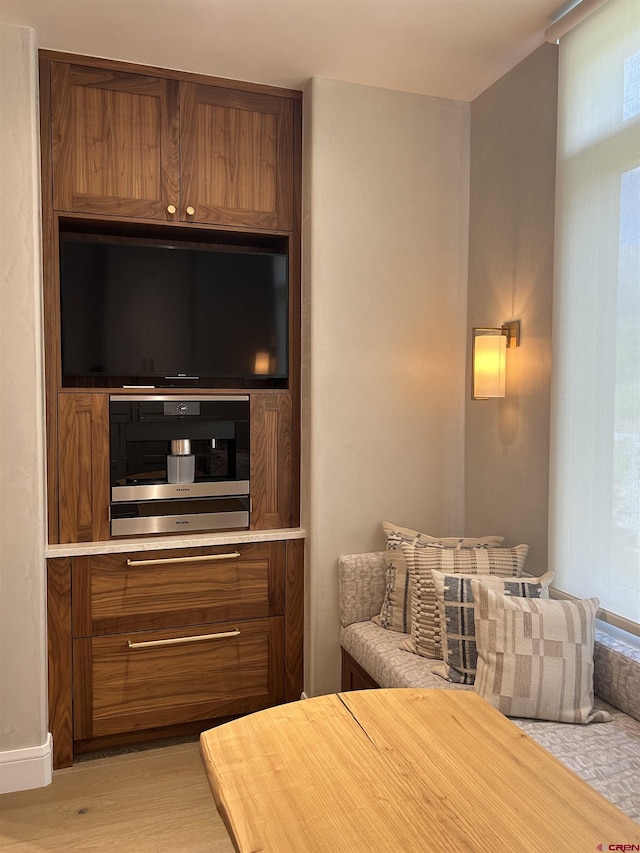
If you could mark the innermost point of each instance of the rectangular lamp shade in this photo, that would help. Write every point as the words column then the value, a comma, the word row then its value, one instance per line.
column 489, row 363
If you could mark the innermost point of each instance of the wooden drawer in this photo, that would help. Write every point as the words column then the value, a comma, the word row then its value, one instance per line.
column 165, row 589
column 212, row 671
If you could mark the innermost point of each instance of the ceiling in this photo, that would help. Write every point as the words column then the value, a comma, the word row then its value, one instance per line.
column 446, row 48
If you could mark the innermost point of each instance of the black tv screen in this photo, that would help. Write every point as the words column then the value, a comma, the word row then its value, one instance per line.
column 161, row 314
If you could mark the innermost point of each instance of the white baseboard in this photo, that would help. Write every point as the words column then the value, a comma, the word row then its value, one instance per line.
column 22, row 769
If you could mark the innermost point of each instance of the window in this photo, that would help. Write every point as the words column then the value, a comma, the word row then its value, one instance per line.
column 595, row 429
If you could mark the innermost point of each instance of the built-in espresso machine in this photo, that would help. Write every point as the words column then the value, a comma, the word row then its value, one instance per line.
column 179, row 464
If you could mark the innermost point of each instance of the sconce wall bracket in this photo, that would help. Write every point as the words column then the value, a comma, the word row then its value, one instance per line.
column 512, row 331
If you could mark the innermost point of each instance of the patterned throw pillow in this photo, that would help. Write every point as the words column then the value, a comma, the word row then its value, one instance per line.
column 535, row 657
column 395, row 613
column 457, row 623
column 422, row 559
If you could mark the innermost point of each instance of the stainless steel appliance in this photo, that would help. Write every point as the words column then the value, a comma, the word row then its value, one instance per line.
column 146, row 432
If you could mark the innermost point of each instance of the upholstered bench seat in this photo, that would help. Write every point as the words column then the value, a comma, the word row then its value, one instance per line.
column 606, row 755
column 378, row 651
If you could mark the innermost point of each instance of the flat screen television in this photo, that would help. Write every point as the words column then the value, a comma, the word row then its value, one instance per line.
column 159, row 314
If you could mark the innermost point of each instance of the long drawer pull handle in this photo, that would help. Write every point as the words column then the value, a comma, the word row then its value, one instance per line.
column 233, row 555
column 152, row 644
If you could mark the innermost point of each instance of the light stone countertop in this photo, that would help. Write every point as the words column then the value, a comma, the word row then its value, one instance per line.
column 158, row 543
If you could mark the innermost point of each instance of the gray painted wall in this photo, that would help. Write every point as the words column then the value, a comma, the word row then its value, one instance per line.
column 513, row 152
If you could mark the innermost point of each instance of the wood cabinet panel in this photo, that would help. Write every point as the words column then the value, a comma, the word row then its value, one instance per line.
column 126, row 688
column 83, row 462
column 60, row 680
column 82, row 688
column 236, row 157
column 102, row 692
column 354, row 677
column 139, row 591
column 132, row 144
column 114, row 142
column 294, row 621
column 272, row 491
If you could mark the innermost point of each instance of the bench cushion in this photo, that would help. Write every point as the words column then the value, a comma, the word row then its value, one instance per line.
column 607, row 757
column 380, row 652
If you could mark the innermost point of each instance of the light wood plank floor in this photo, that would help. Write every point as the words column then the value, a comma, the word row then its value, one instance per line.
column 154, row 801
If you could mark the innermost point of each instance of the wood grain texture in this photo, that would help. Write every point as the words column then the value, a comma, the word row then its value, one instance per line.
column 272, row 487
column 126, row 598
column 353, row 676
column 278, row 579
column 81, row 596
column 60, row 684
column 150, row 687
column 83, row 460
column 294, row 621
column 276, row 661
column 295, row 307
column 295, row 310
column 129, row 143
column 152, row 801
column 236, row 156
column 82, row 688
column 399, row 770
column 115, row 141
column 119, row 691
column 155, row 71
column 51, row 301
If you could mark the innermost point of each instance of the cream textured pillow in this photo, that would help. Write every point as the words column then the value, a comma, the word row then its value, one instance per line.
column 457, row 622
column 535, row 657
column 422, row 559
column 395, row 613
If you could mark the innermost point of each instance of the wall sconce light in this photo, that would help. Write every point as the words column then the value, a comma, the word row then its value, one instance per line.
column 489, row 359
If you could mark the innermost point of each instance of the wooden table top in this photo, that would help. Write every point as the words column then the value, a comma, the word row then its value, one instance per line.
column 399, row 770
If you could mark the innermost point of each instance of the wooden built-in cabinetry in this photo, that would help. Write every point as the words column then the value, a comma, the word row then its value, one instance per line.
column 149, row 642
column 83, row 464
column 134, row 144
column 146, row 641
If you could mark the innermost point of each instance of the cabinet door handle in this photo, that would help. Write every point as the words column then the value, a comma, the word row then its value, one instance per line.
column 176, row 641
column 191, row 210
column 232, row 555
column 171, row 208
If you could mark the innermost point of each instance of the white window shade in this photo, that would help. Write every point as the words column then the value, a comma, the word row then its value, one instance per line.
column 595, row 431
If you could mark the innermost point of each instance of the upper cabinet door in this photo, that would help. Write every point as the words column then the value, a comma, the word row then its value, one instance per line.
column 236, row 157
column 115, row 142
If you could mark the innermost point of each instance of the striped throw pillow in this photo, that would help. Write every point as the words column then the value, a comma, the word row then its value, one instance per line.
column 535, row 657
column 457, row 622
column 395, row 613
column 422, row 559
